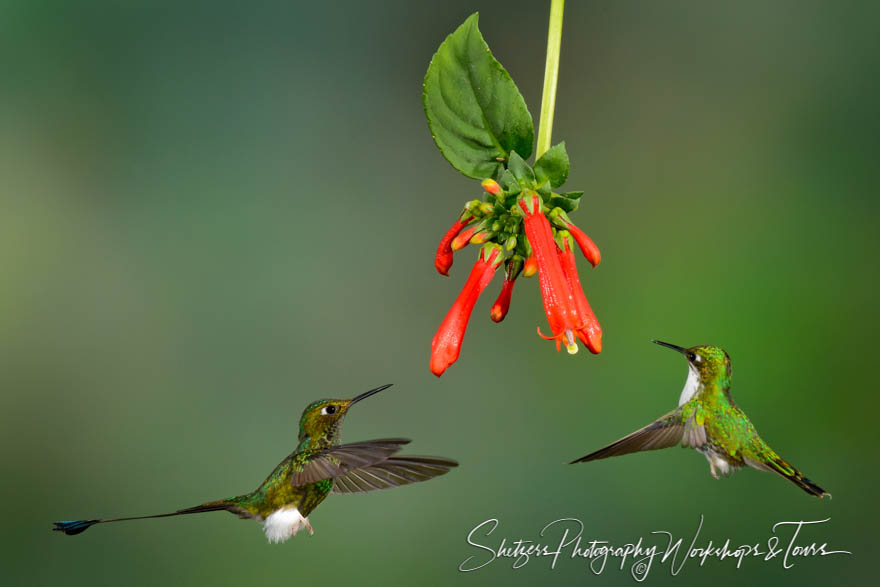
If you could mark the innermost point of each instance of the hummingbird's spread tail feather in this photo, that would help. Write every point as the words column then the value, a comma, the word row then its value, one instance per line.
column 778, row 465
column 73, row 527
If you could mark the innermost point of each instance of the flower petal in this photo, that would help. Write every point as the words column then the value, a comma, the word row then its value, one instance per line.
column 446, row 345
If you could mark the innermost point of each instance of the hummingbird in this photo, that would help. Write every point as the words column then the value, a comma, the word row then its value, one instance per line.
column 708, row 420
column 320, row 465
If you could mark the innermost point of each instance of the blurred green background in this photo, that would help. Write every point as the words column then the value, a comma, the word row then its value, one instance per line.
column 215, row 213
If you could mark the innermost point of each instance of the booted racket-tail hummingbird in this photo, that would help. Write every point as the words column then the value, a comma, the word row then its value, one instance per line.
column 319, row 466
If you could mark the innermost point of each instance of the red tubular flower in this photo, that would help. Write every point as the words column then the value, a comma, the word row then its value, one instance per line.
column 464, row 237
column 589, row 330
column 443, row 258
column 446, row 344
column 530, row 267
column 586, row 244
column 502, row 304
column 481, row 237
column 559, row 304
column 491, row 186
column 588, row 247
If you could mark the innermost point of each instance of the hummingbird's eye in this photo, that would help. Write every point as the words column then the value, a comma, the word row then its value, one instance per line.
column 331, row 409
column 692, row 356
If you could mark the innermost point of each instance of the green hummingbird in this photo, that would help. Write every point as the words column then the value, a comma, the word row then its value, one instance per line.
column 708, row 420
column 320, row 465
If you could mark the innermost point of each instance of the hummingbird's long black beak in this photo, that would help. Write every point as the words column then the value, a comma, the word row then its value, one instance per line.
column 367, row 394
column 674, row 347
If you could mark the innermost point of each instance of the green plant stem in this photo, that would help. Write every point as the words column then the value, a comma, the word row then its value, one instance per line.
column 551, row 74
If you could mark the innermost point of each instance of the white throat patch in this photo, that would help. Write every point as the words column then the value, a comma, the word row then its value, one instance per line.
column 284, row 523
column 691, row 386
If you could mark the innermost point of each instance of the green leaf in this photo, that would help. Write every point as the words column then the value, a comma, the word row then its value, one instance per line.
column 553, row 166
column 521, row 170
column 475, row 112
column 568, row 204
column 573, row 195
column 509, row 183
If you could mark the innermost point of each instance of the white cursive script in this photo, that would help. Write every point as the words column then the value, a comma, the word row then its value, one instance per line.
column 564, row 539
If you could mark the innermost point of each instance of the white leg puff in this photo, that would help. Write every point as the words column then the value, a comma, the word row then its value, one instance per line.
column 717, row 465
column 284, row 523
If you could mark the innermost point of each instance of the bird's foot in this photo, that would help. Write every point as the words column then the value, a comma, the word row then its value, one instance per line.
column 714, row 471
column 308, row 526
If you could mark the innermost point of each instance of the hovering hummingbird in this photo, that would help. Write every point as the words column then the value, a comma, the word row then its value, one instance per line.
column 318, row 467
column 708, row 420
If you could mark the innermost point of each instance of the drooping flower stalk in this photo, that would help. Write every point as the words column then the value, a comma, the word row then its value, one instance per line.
column 446, row 345
column 479, row 121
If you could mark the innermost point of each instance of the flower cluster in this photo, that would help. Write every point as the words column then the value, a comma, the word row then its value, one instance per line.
column 528, row 230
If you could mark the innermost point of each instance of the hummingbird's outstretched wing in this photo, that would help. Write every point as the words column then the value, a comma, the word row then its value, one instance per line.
column 338, row 460
column 392, row 472
column 671, row 429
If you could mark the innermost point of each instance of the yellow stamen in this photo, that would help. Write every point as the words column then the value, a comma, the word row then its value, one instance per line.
column 570, row 343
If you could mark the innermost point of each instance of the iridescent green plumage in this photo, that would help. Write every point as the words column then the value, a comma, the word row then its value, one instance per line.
column 316, row 433
column 320, row 465
column 708, row 420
